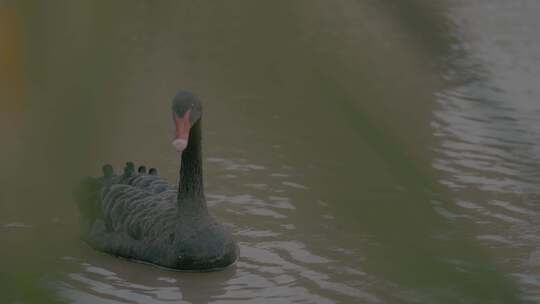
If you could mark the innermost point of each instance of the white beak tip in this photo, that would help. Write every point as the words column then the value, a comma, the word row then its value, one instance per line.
column 180, row 144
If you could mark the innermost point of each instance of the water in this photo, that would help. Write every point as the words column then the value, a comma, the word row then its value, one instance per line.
column 361, row 152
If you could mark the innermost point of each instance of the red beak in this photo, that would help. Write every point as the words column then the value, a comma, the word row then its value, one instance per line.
column 182, row 127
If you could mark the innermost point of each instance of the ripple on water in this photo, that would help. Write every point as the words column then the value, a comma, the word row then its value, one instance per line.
column 268, row 271
column 488, row 132
column 16, row 225
column 294, row 185
column 265, row 258
column 270, row 254
column 98, row 285
column 234, row 165
column 276, row 265
column 250, row 204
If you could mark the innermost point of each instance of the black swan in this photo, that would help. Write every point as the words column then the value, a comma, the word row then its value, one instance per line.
column 140, row 216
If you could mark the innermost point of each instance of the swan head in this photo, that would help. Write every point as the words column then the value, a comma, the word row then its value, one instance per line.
column 186, row 110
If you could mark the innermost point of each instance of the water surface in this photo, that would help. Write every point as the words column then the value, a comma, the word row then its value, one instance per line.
column 361, row 152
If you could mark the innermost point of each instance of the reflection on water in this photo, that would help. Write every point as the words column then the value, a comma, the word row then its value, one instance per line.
column 323, row 120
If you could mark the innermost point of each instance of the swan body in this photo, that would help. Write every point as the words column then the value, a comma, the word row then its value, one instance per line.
column 140, row 216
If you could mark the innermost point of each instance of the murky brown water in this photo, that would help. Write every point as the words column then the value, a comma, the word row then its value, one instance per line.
column 361, row 152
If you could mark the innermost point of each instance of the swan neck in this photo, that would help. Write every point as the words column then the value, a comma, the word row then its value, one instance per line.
column 190, row 188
